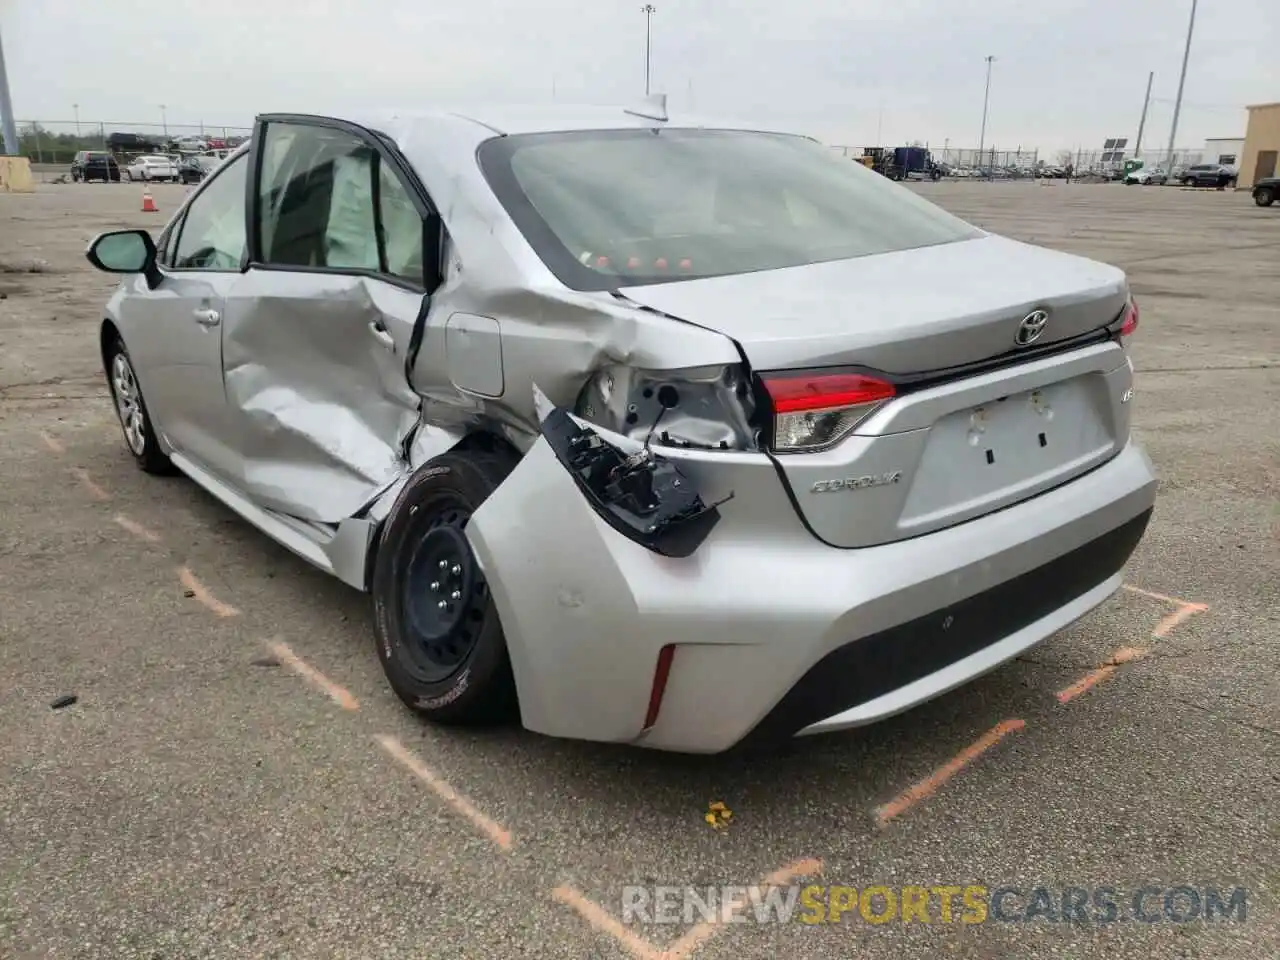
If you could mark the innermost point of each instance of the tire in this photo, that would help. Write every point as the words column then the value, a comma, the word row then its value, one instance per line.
column 131, row 411
column 1265, row 197
column 128, row 175
column 447, row 663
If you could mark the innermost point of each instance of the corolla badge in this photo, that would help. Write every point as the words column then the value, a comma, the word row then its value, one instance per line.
column 856, row 483
column 1031, row 327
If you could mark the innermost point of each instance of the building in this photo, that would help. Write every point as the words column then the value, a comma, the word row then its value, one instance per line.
column 1261, row 144
column 1224, row 150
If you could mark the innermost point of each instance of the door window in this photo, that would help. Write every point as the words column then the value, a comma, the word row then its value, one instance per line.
column 328, row 200
column 213, row 233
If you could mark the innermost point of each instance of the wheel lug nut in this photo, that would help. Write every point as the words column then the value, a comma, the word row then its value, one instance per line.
column 435, row 586
column 456, row 570
column 444, row 564
column 442, row 605
column 456, row 595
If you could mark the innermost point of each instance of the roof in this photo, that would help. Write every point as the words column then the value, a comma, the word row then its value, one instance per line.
column 550, row 118
column 1263, row 106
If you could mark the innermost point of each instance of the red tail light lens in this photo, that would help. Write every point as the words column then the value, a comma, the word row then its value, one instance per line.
column 815, row 411
column 1130, row 322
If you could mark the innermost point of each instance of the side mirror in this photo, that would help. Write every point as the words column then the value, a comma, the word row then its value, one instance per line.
column 125, row 251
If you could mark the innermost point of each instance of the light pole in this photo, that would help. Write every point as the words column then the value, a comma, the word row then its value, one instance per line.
column 164, row 121
column 986, row 96
column 1182, row 79
column 648, row 10
column 8, row 128
column 76, row 108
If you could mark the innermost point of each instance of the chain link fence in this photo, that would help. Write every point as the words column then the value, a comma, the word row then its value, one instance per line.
column 53, row 143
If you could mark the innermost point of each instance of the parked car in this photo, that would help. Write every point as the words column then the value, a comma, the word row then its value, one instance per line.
column 196, row 168
column 151, row 167
column 131, row 143
column 620, row 459
column 1266, row 191
column 92, row 165
column 190, row 144
column 1208, row 175
column 1146, row 176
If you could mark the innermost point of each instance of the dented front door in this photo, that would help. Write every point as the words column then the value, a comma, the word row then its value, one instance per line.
column 317, row 331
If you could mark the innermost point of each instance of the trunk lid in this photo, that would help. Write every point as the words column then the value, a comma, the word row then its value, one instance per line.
column 954, row 448
column 905, row 312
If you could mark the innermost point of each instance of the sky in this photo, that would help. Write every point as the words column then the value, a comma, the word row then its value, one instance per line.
column 1067, row 73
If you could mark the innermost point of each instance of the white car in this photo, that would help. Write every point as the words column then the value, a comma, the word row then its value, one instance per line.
column 152, row 167
column 1147, row 176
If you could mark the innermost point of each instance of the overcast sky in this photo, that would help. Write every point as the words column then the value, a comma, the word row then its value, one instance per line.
column 1067, row 73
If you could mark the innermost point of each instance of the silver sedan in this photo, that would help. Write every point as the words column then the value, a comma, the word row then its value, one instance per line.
column 644, row 428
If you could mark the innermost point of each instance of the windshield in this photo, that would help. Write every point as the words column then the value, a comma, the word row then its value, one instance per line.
column 628, row 207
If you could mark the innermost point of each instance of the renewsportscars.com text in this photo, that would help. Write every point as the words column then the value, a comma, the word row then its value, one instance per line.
column 937, row 904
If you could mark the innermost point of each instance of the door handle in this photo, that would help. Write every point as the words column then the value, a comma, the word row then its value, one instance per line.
column 382, row 335
column 206, row 317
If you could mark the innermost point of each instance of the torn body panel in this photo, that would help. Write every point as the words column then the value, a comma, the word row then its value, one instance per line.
column 314, row 371
column 586, row 611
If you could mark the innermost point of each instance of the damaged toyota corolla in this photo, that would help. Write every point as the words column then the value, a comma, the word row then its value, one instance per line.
column 654, row 430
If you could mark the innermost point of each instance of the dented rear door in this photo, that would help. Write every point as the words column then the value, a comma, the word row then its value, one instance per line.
column 314, row 371
column 317, row 331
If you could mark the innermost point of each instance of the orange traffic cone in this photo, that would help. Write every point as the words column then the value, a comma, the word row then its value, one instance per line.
column 148, row 204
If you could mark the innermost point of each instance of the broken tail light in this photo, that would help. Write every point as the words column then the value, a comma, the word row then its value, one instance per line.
column 816, row 411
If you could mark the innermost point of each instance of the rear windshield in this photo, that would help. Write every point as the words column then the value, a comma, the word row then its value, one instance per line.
column 629, row 207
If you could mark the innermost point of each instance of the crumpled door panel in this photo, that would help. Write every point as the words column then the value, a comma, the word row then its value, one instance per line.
column 315, row 377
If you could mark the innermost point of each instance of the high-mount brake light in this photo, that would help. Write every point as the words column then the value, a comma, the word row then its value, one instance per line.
column 1130, row 322
column 816, row 411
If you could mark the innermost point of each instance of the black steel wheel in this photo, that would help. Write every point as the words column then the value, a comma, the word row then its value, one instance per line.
column 437, row 630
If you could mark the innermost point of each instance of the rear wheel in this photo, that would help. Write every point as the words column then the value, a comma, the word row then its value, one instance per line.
column 437, row 630
column 1265, row 197
column 131, row 409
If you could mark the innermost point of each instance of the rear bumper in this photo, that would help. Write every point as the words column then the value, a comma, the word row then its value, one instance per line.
column 783, row 635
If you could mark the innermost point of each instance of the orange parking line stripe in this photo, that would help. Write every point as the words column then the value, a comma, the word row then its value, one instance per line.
column 86, row 481
column 930, row 784
column 1175, row 618
column 1157, row 596
column 201, row 593
column 605, row 922
column 137, row 529
column 500, row 835
column 52, row 443
column 1094, row 677
column 333, row 691
column 703, row 932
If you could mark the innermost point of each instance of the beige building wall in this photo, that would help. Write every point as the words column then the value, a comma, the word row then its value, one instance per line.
column 15, row 175
column 1261, row 143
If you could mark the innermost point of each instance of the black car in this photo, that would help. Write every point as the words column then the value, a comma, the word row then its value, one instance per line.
column 89, row 165
column 132, row 143
column 1208, row 175
column 1266, row 191
column 195, row 169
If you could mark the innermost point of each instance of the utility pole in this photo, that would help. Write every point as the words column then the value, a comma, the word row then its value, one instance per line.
column 648, row 10
column 76, row 108
column 986, row 96
column 8, row 127
column 1182, row 79
column 164, row 120
column 1146, row 102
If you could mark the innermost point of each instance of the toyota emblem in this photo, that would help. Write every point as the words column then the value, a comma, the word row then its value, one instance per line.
column 1031, row 327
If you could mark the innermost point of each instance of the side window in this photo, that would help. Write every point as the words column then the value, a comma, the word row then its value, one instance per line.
column 326, row 199
column 212, row 236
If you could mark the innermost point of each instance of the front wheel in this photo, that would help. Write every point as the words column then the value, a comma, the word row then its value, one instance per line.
column 1265, row 197
column 131, row 409
column 128, row 175
column 435, row 624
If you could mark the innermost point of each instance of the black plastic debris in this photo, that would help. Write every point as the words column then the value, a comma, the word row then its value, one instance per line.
column 642, row 495
column 265, row 662
column 64, row 701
